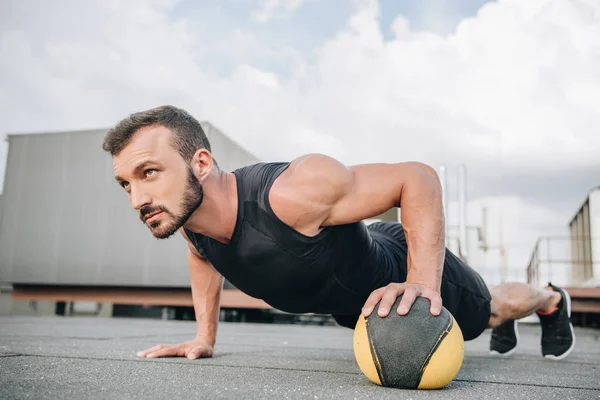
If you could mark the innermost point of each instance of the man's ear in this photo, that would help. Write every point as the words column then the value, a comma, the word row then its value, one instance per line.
column 202, row 164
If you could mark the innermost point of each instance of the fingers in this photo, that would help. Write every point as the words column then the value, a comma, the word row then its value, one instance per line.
column 197, row 352
column 144, row 353
column 168, row 351
column 161, row 350
column 194, row 353
column 409, row 297
column 436, row 304
column 389, row 298
column 372, row 300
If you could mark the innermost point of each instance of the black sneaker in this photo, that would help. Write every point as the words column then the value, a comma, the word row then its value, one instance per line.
column 558, row 337
column 505, row 338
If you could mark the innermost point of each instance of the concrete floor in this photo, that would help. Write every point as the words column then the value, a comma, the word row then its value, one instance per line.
column 80, row 357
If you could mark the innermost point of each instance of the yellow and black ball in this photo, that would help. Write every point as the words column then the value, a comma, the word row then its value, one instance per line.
column 412, row 351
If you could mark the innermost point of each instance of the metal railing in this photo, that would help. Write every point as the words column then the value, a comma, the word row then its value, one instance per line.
column 568, row 260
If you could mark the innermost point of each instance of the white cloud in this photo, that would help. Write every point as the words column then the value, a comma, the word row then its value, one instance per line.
column 513, row 91
column 270, row 9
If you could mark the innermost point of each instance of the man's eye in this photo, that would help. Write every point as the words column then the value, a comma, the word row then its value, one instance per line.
column 150, row 172
column 124, row 184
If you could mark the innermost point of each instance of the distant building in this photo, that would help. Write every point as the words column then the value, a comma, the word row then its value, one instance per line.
column 66, row 222
column 584, row 230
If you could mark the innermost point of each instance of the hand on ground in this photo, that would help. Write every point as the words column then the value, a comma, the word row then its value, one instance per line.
column 409, row 291
column 197, row 348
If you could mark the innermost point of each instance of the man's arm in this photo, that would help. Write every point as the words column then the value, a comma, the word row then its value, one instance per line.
column 337, row 194
column 372, row 189
column 206, row 284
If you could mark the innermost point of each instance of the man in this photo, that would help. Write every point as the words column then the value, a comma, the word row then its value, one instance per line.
column 292, row 234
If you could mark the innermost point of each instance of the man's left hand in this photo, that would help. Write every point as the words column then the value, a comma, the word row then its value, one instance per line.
column 409, row 291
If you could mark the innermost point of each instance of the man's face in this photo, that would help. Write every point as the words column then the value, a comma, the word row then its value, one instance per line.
column 160, row 185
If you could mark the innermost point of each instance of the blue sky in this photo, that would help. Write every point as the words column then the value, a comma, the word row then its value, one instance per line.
column 305, row 28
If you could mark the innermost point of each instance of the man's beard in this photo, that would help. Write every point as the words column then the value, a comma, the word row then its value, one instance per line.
column 192, row 199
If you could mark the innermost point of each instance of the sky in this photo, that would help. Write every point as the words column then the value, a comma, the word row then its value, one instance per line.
column 509, row 88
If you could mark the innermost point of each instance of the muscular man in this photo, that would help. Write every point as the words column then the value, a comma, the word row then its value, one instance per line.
column 293, row 235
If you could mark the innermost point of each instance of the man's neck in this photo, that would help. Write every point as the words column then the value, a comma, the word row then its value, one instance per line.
column 217, row 215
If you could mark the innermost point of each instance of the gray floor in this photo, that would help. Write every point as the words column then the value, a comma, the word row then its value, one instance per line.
column 76, row 358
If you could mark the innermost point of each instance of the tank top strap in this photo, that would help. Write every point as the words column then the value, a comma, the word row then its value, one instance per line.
column 255, row 187
column 197, row 240
column 255, row 181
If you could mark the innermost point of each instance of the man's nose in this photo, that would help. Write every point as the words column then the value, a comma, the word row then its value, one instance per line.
column 139, row 198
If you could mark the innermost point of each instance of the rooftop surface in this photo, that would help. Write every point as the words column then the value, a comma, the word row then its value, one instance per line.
column 81, row 358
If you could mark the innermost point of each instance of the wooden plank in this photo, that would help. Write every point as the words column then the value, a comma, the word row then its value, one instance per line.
column 584, row 292
column 582, row 298
column 230, row 298
column 235, row 298
column 585, row 306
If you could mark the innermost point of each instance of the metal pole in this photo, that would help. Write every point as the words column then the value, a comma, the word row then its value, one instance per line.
column 483, row 233
column 503, row 252
column 462, row 210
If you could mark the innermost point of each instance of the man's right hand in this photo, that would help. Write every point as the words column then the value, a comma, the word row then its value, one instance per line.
column 197, row 348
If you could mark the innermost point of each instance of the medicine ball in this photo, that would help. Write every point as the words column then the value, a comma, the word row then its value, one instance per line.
column 412, row 351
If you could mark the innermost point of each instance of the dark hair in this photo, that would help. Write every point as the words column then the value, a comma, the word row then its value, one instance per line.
column 188, row 135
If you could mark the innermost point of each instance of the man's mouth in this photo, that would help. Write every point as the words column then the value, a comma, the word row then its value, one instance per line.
column 151, row 215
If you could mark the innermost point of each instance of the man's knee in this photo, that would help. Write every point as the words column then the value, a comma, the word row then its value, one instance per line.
column 503, row 306
column 513, row 307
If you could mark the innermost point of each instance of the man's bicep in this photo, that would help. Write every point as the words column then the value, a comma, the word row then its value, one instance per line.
column 374, row 189
column 343, row 194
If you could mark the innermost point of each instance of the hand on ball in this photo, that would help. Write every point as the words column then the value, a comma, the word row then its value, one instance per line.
column 410, row 291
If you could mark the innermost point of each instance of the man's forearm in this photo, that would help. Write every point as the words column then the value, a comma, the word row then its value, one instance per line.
column 206, row 294
column 423, row 222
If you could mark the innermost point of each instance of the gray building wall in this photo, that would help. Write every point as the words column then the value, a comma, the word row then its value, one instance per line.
column 584, row 230
column 64, row 220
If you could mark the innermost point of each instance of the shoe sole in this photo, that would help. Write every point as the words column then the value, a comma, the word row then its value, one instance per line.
column 566, row 353
column 508, row 353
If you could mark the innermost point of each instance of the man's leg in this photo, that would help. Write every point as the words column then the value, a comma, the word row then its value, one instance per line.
column 512, row 301
column 515, row 300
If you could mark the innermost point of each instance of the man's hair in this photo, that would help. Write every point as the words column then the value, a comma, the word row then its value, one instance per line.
column 188, row 135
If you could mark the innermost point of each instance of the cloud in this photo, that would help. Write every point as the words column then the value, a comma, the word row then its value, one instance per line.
column 270, row 9
column 512, row 93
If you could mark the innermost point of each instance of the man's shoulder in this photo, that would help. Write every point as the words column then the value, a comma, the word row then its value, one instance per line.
column 315, row 171
column 260, row 174
column 310, row 161
column 305, row 173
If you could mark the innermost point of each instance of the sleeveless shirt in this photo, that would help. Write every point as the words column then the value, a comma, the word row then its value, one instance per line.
column 332, row 272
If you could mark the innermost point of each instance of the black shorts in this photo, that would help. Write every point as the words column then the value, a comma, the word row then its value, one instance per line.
column 464, row 293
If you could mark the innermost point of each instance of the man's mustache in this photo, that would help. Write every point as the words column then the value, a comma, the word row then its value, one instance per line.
column 144, row 211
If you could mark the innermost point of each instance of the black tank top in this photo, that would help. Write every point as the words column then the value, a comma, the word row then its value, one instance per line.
column 330, row 273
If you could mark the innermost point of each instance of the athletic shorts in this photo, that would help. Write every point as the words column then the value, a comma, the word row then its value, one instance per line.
column 464, row 293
